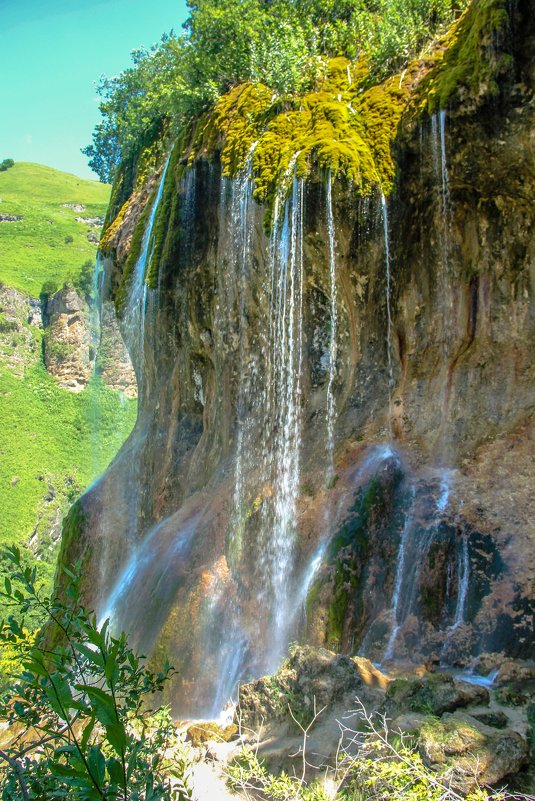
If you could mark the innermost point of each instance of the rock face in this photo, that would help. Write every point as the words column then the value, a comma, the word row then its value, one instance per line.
column 69, row 343
column 371, row 496
column 72, row 345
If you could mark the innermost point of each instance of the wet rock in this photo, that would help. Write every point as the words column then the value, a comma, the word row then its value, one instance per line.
column 312, row 678
column 433, row 694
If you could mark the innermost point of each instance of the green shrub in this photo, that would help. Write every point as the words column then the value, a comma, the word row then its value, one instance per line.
column 6, row 164
column 89, row 732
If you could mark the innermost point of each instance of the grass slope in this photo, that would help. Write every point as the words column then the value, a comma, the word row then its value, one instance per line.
column 34, row 249
column 53, row 443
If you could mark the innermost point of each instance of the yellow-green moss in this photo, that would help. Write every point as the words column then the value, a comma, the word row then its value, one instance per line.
column 344, row 127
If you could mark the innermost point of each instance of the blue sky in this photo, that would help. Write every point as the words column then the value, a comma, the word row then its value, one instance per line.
column 52, row 53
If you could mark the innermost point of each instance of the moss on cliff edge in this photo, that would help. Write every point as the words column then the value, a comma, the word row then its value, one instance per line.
column 472, row 59
column 345, row 126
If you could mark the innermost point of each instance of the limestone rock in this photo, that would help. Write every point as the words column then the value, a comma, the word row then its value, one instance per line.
column 310, row 676
column 433, row 694
column 476, row 753
column 69, row 341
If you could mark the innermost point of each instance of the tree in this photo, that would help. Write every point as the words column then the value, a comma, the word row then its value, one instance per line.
column 6, row 164
column 79, row 712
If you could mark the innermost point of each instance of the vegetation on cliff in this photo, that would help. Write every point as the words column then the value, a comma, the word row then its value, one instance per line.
column 283, row 44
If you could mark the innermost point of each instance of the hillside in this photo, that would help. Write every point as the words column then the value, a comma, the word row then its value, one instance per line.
column 47, row 244
column 49, row 447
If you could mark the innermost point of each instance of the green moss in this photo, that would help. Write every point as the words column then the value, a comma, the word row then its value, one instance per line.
column 345, row 126
column 471, row 59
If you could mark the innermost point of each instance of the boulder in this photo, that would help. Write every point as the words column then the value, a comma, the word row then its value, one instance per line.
column 432, row 694
column 311, row 679
column 474, row 754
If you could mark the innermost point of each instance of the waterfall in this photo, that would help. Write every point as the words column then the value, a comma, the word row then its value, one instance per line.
column 463, row 577
column 413, row 548
column 242, row 231
column 463, row 571
column 333, row 349
column 136, row 304
column 285, row 357
column 398, row 583
column 384, row 207
column 444, row 173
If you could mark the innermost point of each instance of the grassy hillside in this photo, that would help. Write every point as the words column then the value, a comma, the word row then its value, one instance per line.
column 47, row 244
column 53, row 443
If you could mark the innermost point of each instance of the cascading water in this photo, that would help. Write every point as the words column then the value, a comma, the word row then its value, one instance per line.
column 333, row 348
column 413, row 548
column 136, row 305
column 384, row 207
column 242, row 221
column 463, row 571
column 398, row 584
column 284, row 408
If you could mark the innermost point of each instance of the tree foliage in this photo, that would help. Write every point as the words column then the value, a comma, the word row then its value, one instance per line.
column 79, row 722
column 281, row 43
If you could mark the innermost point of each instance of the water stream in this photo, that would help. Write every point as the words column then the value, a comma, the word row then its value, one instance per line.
column 136, row 304
column 384, row 207
column 333, row 347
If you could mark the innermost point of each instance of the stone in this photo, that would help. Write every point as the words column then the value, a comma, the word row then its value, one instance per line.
column 309, row 680
column 477, row 754
column 433, row 694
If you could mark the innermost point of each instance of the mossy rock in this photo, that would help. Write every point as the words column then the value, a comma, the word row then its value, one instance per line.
column 432, row 694
column 475, row 754
column 200, row 733
column 472, row 62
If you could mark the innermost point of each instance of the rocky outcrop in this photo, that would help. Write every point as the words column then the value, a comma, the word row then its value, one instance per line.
column 473, row 753
column 69, row 348
column 74, row 348
column 464, row 740
column 411, row 535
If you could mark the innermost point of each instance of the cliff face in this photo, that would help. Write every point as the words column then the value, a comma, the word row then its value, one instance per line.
column 335, row 436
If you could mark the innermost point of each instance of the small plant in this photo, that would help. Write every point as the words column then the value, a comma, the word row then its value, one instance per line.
column 82, row 726
column 68, row 239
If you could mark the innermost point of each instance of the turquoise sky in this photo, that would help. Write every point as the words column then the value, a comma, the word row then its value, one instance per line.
column 52, row 53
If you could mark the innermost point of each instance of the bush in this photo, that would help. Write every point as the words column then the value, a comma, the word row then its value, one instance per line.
column 6, row 164
column 81, row 700
column 68, row 239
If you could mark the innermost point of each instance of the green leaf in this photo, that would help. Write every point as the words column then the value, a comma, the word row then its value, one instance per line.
column 111, row 663
column 7, row 584
column 116, row 736
column 92, row 656
column 59, row 695
column 87, row 733
column 102, row 704
column 115, row 770
column 97, row 764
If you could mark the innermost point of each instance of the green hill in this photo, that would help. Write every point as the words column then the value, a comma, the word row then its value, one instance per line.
column 53, row 443
column 47, row 245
